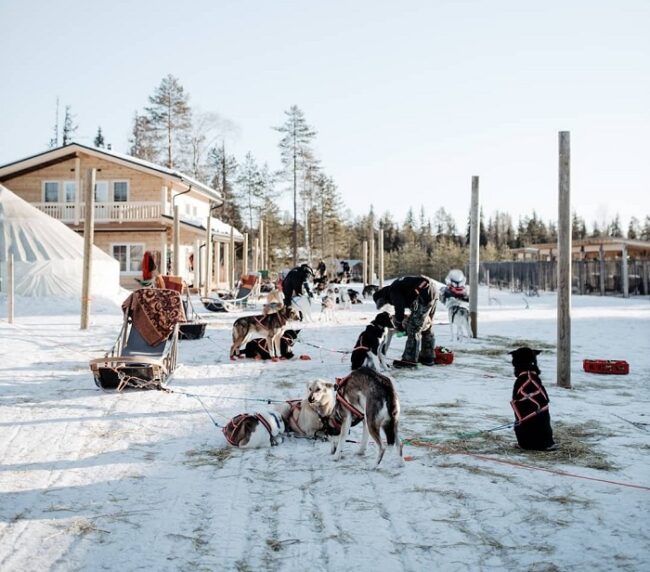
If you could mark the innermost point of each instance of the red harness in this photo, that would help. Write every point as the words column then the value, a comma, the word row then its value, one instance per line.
column 530, row 393
column 231, row 428
column 340, row 384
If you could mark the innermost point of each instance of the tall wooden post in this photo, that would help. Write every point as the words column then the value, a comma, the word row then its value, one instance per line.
column 245, row 255
column 371, row 264
column 177, row 242
column 256, row 255
column 564, row 264
column 89, row 231
column 208, row 257
column 219, row 261
column 260, row 235
column 473, row 258
column 625, row 275
column 365, row 263
column 601, row 265
column 381, row 257
column 196, row 278
column 10, row 288
column 231, row 267
column 77, row 190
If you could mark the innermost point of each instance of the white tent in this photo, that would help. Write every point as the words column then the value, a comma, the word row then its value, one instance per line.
column 48, row 256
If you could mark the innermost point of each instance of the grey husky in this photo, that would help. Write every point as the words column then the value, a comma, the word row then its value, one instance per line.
column 368, row 396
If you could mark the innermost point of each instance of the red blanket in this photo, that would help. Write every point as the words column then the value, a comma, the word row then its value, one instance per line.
column 154, row 313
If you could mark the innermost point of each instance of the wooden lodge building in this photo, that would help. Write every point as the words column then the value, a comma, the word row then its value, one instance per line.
column 134, row 210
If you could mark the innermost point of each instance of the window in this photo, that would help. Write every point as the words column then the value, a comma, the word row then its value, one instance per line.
column 51, row 192
column 70, row 191
column 101, row 191
column 120, row 191
column 129, row 256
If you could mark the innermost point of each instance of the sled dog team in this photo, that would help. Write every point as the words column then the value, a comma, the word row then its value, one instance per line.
column 365, row 395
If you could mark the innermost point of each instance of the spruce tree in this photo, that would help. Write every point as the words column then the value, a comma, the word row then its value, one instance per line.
column 69, row 128
column 99, row 139
column 295, row 152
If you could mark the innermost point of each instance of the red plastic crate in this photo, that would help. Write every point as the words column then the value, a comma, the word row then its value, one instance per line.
column 608, row 366
column 443, row 356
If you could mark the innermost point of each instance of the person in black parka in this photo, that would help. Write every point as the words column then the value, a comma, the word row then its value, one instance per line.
column 530, row 403
column 295, row 283
column 419, row 295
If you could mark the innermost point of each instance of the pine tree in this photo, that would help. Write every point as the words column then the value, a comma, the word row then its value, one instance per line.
column 615, row 229
column 251, row 185
column 634, row 229
column 170, row 118
column 222, row 169
column 295, row 152
column 99, row 139
column 645, row 232
column 143, row 140
column 69, row 128
column 54, row 142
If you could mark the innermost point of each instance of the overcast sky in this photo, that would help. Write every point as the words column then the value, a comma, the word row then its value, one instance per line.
column 410, row 99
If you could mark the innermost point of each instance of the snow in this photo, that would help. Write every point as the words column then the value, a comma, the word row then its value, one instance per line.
column 93, row 480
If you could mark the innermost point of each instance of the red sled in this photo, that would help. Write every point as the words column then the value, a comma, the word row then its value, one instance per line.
column 443, row 356
column 610, row 366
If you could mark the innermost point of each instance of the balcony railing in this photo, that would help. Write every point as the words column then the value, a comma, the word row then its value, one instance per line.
column 104, row 212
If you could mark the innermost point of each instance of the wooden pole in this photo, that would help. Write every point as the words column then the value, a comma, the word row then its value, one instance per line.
column 177, row 242
column 473, row 258
column 219, row 259
column 196, row 278
column 260, row 235
column 208, row 257
column 381, row 257
column 625, row 275
column 89, row 231
column 601, row 265
column 77, row 188
column 256, row 254
column 564, row 264
column 11, row 294
column 245, row 255
column 231, row 267
column 371, row 264
column 365, row 263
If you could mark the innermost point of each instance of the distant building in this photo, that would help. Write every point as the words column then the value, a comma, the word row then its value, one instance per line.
column 587, row 249
column 134, row 207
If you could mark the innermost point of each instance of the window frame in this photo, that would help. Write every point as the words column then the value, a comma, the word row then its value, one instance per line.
column 128, row 261
column 58, row 191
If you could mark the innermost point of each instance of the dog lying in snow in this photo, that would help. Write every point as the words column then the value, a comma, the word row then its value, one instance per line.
column 258, row 348
column 369, row 349
column 369, row 397
column 254, row 430
column 530, row 403
column 271, row 326
column 308, row 417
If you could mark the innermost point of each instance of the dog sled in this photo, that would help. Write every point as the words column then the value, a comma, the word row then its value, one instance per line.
column 249, row 289
column 145, row 352
column 194, row 327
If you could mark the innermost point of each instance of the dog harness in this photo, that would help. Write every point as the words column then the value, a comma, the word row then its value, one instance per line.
column 530, row 399
column 233, row 425
column 357, row 416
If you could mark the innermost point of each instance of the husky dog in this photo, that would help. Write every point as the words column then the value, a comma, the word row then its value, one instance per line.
column 308, row 417
column 368, row 396
column 530, row 403
column 302, row 304
column 327, row 308
column 274, row 301
column 369, row 290
column 258, row 348
column 270, row 326
column 370, row 346
column 354, row 296
column 458, row 313
column 253, row 430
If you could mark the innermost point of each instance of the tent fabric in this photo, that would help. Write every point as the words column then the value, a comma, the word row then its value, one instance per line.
column 48, row 256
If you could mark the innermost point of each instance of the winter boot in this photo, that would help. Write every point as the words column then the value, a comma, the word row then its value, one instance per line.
column 427, row 356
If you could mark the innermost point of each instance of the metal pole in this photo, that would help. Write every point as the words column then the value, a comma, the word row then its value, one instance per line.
column 89, row 230
column 473, row 258
column 10, row 289
column 177, row 242
column 564, row 264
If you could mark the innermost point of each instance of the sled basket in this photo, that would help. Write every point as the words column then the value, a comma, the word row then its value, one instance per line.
column 611, row 366
column 443, row 356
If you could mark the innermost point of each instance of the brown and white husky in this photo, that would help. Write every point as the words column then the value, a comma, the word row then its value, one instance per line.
column 270, row 326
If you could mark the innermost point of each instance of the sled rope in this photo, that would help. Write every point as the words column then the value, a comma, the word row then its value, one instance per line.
column 446, row 449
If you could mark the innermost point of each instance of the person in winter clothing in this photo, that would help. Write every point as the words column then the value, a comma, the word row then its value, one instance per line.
column 455, row 287
column 321, row 269
column 419, row 295
column 295, row 283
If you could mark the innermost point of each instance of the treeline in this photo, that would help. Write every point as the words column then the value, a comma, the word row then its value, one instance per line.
column 170, row 132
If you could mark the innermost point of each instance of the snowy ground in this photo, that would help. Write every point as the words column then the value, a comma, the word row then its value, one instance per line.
column 142, row 481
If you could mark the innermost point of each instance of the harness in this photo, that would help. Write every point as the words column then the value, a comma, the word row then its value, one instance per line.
column 296, row 404
column 357, row 416
column 530, row 399
column 233, row 425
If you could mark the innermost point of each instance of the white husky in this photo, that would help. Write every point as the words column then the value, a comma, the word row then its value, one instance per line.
column 458, row 313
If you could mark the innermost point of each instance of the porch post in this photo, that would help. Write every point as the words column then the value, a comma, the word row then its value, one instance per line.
column 624, row 272
column 77, row 185
column 601, row 261
column 89, row 230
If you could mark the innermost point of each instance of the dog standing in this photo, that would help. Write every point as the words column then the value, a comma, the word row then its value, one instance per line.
column 270, row 327
column 370, row 347
column 259, row 349
column 302, row 304
column 530, row 403
column 254, row 430
column 327, row 308
column 458, row 314
column 369, row 290
column 367, row 396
